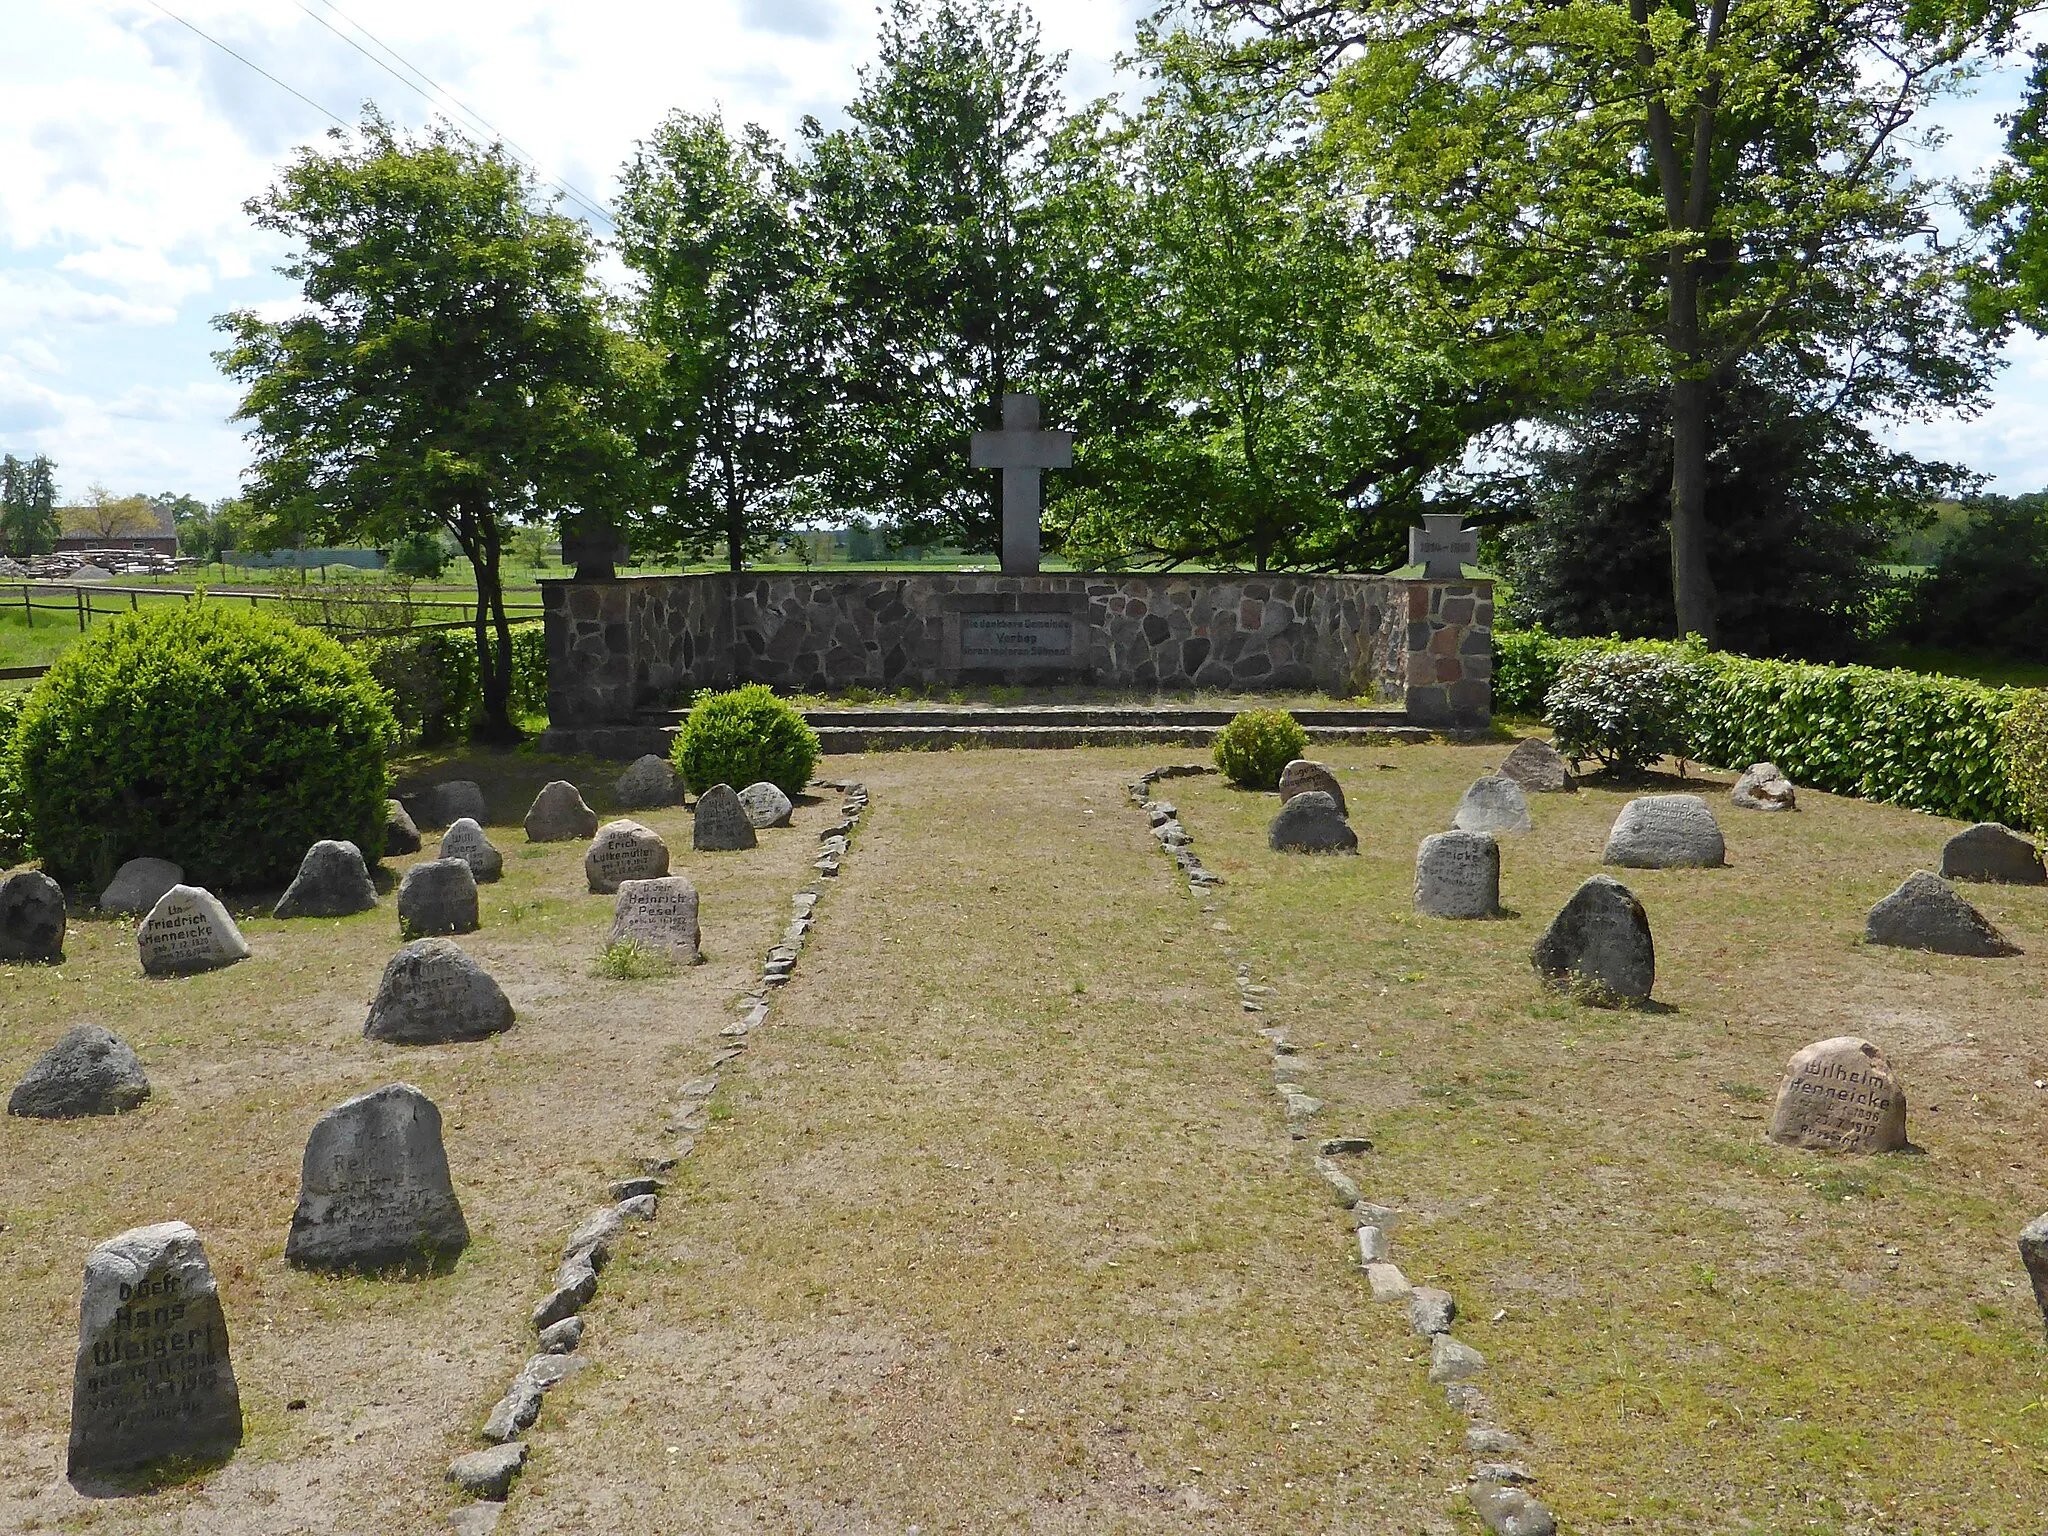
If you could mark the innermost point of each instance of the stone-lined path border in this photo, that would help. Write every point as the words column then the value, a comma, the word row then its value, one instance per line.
column 1496, row 1485
column 487, row 1475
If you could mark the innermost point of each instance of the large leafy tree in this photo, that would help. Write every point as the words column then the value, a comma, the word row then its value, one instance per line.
column 452, row 365
column 28, row 505
column 1681, row 193
column 2013, row 206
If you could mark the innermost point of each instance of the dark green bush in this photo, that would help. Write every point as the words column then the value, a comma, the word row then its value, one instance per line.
column 13, row 814
column 221, row 738
column 419, row 554
column 2023, row 754
column 1626, row 706
column 743, row 737
column 1257, row 744
column 432, row 678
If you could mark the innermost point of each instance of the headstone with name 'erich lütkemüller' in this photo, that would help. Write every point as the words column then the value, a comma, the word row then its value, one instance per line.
column 1840, row 1095
column 624, row 850
column 374, row 1190
column 1442, row 546
column 1022, row 450
column 189, row 930
column 659, row 915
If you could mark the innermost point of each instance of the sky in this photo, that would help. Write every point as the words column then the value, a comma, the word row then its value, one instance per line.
column 130, row 144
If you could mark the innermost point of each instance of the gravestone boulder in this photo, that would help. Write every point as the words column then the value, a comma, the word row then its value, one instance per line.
column 1839, row 1095
column 466, row 841
column 1600, row 944
column 1539, row 768
column 432, row 993
column 1493, row 804
column 333, row 881
column 558, row 815
column 374, row 1191
column 438, row 896
column 722, row 824
column 2034, row 1254
column 1666, row 832
column 447, row 803
column 89, row 1071
column 1457, row 874
column 1926, row 912
column 1304, row 774
column 401, row 833
column 766, row 805
column 1763, row 788
column 139, row 885
column 188, row 930
column 1311, row 823
column 1993, row 854
column 624, row 850
column 153, row 1378
column 31, row 917
column 660, row 915
column 648, row 785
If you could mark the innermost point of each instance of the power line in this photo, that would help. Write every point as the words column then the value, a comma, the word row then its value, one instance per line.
column 238, row 58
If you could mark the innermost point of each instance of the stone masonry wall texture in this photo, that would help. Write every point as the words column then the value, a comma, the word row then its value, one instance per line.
column 619, row 648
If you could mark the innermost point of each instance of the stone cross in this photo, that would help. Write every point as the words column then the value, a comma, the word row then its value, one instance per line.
column 1022, row 452
column 1442, row 545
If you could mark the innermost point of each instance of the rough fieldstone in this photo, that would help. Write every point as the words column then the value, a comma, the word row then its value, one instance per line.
column 1387, row 1282
column 624, row 851
column 558, row 815
column 561, row 1338
column 766, row 805
column 1763, row 788
column 1840, row 1095
column 488, row 1474
column 1311, row 823
column 445, row 804
column 1450, row 1360
column 89, row 1071
column 1457, row 874
column 594, row 1236
column 478, row 1519
column 2034, row 1254
column 660, row 915
column 722, row 823
column 1304, row 774
column 438, row 896
column 189, row 930
column 1481, row 1440
column 1493, row 804
column 153, row 1378
column 431, row 994
column 374, row 1191
column 139, row 885
column 1666, row 832
column 1342, row 1185
column 575, row 1284
column 31, row 917
column 648, row 785
column 1539, row 768
column 1373, row 1247
column 466, row 841
column 401, row 832
column 1991, row 853
column 333, row 881
column 1431, row 1311
column 1927, row 913
column 1506, row 1510
column 1601, row 940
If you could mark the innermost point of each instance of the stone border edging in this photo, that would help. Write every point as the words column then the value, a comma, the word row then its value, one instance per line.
column 488, row 1474
column 1495, row 1484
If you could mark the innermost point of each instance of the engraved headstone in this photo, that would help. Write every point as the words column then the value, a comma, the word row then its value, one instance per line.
column 722, row 824
column 1457, row 874
column 374, row 1191
column 1305, row 774
column 1926, row 912
column 660, row 915
column 1840, row 1095
column 401, row 833
column 333, row 881
column 1311, row 823
column 466, row 841
column 447, row 803
column 1493, row 804
column 31, row 917
column 139, row 885
column 624, row 850
column 153, row 1378
column 558, row 815
column 1600, row 943
column 189, row 930
column 438, row 896
column 432, row 993
column 89, row 1071
column 1666, row 832
column 1991, row 853
column 766, row 805
column 1763, row 787
column 648, row 785
column 1539, row 768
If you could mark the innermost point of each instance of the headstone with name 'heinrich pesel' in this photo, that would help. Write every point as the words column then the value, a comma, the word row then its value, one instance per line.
column 660, row 915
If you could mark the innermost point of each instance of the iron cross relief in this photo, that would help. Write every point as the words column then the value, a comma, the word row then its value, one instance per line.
column 1022, row 451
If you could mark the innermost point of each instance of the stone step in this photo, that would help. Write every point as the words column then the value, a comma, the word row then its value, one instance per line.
column 991, row 716
column 837, row 737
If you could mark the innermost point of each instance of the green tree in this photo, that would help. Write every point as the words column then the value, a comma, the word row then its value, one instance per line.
column 1677, row 192
column 2013, row 206
column 103, row 515
column 28, row 505
column 453, row 365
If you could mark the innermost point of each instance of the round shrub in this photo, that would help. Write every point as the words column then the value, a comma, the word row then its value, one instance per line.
column 1257, row 744
column 220, row 738
column 1624, row 707
column 743, row 737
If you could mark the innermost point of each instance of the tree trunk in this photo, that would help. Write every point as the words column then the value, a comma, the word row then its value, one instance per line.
column 1692, row 584
column 493, row 635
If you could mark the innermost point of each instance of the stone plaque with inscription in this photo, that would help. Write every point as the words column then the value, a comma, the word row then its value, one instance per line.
column 660, row 915
column 374, row 1191
column 624, row 850
column 1840, row 1095
column 466, row 841
column 432, row 994
column 722, row 824
column 153, row 1379
column 1008, row 640
column 1457, row 874
column 189, row 930
column 1599, row 945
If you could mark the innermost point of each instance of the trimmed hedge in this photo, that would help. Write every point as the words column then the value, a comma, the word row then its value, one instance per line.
column 14, row 840
column 432, row 678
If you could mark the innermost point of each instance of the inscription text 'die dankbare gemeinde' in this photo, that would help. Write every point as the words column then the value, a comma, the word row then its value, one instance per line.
column 1014, row 637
